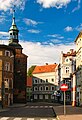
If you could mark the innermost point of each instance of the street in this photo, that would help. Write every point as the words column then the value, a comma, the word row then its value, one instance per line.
column 29, row 112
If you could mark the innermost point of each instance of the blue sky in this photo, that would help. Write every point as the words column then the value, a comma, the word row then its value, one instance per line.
column 46, row 27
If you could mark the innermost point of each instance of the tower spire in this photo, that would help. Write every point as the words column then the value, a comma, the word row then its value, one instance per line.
column 13, row 19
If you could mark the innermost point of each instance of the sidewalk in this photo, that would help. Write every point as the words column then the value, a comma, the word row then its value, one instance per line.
column 71, row 112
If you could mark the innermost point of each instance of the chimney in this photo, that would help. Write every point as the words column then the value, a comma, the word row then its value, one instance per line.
column 71, row 50
column 46, row 63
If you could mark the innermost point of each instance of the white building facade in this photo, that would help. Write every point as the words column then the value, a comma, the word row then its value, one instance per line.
column 67, row 68
column 45, row 82
column 78, row 43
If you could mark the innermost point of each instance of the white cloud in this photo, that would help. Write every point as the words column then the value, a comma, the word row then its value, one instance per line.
column 58, row 36
column 68, row 29
column 79, row 27
column 31, row 22
column 78, row 6
column 7, row 4
column 53, row 3
column 4, row 35
column 39, row 54
column 34, row 31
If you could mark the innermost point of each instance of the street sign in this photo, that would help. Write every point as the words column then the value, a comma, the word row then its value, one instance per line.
column 64, row 87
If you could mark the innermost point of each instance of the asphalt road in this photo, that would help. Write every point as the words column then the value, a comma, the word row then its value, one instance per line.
column 29, row 111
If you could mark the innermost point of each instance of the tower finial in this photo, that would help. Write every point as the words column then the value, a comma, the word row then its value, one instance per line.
column 13, row 21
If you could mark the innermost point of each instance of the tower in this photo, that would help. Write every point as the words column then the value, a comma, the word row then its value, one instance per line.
column 20, row 65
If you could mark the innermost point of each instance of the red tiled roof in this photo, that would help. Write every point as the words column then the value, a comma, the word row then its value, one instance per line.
column 45, row 68
column 69, row 54
column 29, row 81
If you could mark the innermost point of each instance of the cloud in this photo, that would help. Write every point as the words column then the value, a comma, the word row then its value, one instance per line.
column 46, row 53
column 8, row 4
column 4, row 35
column 34, row 31
column 31, row 22
column 50, row 55
column 68, row 29
column 53, row 3
column 78, row 6
column 79, row 27
column 55, row 40
column 58, row 36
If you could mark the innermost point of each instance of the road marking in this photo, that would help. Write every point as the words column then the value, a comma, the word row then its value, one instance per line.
column 17, row 118
column 30, row 118
column 4, row 118
column 43, row 119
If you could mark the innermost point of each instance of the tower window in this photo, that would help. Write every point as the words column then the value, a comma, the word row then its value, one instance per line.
column 7, row 53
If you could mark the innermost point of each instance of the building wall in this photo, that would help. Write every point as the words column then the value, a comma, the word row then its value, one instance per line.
column 67, row 67
column 78, row 43
column 43, row 89
column 20, row 77
column 6, row 75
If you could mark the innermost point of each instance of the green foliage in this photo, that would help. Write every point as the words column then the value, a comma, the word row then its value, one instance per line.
column 30, row 70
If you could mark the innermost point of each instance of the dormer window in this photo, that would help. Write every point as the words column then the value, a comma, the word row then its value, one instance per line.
column 66, row 59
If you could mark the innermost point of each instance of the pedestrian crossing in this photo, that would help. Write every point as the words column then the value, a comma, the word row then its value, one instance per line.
column 38, row 106
column 24, row 118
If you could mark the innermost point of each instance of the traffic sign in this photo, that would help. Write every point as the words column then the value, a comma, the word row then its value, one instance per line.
column 64, row 87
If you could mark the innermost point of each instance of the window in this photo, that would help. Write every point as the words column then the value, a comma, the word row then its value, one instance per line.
column 35, row 97
column 35, row 88
column 67, row 60
column 67, row 69
column 35, row 81
column 40, row 88
column 7, row 66
column 40, row 96
column 46, row 80
column 46, row 88
column 7, row 53
column 52, row 80
column 40, row 80
column 6, row 82
column 46, row 96
column 52, row 87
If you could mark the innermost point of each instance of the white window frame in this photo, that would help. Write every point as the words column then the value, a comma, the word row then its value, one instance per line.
column 35, row 81
column 46, row 97
column 7, row 53
column 40, row 88
column 40, row 97
column 35, row 88
column 7, row 66
column 52, row 87
column 35, row 97
column 46, row 87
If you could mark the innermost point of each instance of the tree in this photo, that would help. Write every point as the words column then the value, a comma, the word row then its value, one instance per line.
column 30, row 70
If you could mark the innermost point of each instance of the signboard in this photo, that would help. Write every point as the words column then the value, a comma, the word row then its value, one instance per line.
column 64, row 87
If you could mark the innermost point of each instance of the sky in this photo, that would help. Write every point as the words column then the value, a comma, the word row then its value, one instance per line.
column 46, row 27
